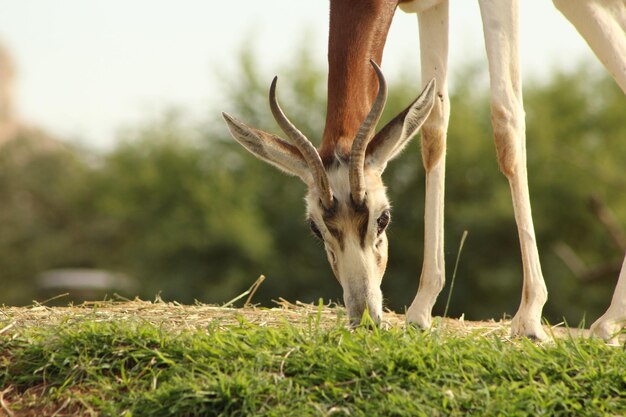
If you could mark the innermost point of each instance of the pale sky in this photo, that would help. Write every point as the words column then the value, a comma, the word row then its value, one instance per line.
column 87, row 68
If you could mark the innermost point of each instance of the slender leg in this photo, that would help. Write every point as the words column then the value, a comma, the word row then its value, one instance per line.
column 433, row 26
column 608, row 326
column 603, row 25
column 501, row 29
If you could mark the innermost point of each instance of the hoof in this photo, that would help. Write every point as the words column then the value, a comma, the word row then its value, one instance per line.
column 531, row 329
column 418, row 319
column 606, row 330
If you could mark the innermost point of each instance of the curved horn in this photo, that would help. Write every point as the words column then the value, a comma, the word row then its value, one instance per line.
column 365, row 133
column 310, row 154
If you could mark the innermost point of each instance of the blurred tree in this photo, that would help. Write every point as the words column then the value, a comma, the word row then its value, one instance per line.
column 190, row 214
column 39, row 187
column 177, row 217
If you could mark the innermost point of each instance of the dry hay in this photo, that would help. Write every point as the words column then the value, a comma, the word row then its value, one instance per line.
column 176, row 317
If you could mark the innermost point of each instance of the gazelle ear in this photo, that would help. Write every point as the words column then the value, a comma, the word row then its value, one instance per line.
column 392, row 138
column 269, row 148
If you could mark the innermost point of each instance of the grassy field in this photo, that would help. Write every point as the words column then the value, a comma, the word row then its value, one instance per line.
column 162, row 359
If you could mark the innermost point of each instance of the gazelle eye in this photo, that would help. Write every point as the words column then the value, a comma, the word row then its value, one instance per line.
column 383, row 221
column 315, row 230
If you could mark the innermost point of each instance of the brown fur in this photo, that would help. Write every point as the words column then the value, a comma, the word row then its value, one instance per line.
column 505, row 139
column 357, row 34
column 433, row 146
column 357, row 218
column 434, row 136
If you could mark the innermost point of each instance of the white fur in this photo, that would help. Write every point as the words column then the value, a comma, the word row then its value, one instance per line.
column 433, row 24
column 355, row 267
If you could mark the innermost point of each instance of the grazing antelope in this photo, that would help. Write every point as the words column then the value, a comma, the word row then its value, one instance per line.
column 346, row 203
column 347, row 207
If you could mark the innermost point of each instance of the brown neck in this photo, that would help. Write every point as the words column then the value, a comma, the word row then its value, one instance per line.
column 358, row 31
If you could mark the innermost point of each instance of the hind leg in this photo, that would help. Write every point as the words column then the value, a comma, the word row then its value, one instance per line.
column 609, row 325
column 603, row 24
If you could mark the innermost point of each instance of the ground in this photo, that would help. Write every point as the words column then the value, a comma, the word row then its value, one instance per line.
column 136, row 358
column 176, row 316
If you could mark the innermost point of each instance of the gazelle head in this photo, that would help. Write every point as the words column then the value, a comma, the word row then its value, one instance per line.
column 347, row 207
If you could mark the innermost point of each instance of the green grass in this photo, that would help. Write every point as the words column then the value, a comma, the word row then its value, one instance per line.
column 134, row 367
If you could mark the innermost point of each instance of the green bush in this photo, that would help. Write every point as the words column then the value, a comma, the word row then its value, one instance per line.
column 188, row 213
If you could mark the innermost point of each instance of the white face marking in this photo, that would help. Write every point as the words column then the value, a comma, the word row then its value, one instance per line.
column 354, row 240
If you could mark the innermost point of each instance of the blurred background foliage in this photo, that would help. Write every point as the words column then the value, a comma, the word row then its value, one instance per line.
column 185, row 211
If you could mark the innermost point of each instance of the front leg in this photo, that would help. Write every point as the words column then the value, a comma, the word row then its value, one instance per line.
column 433, row 27
column 501, row 29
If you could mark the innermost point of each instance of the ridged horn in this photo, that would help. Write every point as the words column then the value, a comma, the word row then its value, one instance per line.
column 306, row 148
column 363, row 136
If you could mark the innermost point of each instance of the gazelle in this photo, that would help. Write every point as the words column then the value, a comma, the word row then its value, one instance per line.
column 346, row 202
column 347, row 207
